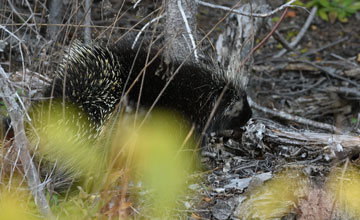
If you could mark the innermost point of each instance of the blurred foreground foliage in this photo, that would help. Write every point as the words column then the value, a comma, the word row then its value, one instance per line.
column 344, row 184
column 16, row 202
column 143, row 165
column 291, row 191
column 275, row 198
column 157, row 153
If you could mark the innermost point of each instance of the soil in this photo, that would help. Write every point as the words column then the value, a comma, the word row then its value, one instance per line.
column 301, row 92
column 232, row 159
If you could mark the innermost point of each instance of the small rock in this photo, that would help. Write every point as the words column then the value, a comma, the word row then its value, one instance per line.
column 221, row 210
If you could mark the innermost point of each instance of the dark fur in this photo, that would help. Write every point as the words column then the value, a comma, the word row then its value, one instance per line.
column 95, row 79
column 97, row 86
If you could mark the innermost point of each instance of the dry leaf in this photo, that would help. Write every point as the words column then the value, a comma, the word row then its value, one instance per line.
column 207, row 199
column 291, row 14
column 195, row 216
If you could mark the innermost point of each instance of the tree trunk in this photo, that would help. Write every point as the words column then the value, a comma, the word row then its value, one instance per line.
column 55, row 17
column 180, row 44
column 237, row 40
column 87, row 22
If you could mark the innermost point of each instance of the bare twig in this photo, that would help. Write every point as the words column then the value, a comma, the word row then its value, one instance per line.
column 19, row 44
column 132, row 28
column 136, row 4
column 32, row 15
column 118, row 16
column 143, row 28
column 301, row 33
column 324, row 47
column 232, row 10
column 289, row 117
column 347, row 61
column 332, row 73
column 25, row 22
column 344, row 91
column 282, row 40
column 17, row 121
column 284, row 66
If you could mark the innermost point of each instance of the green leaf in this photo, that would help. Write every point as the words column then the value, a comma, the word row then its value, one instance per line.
column 347, row 3
column 323, row 15
column 342, row 15
column 275, row 19
column 311, row 4
column 330, row 10
column 349, row 11
column 325, row 3
column 356, row 6
column 343, row 19
column 304, row 50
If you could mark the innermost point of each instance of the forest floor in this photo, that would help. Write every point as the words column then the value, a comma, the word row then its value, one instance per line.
column 318, row 80
column 276, row 167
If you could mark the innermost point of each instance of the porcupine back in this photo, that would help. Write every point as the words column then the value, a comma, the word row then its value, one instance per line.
column 93, row 78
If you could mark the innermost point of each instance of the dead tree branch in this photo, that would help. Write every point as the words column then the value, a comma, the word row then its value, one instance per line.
column 143, row 29
column 301, row 33
column 335, row 141
column 289, row 117
column 237, row 40
column 17, row 121
column 244, row 13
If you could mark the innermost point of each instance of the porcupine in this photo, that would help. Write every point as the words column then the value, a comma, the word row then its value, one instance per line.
column 93, row 78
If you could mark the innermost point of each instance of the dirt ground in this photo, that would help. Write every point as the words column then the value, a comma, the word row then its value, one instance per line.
column 246, row 172
column 312, row 82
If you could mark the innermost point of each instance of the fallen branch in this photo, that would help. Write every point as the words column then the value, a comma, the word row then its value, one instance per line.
column 352, row 72
column 8, row 93
column 286, row 67
column 302, row 146
column 314, row 138
column 281, row 40
column 314, row 51
column 344, row 91
column 262, row 15
column 332, row 72
column 295, row 118
column 301, row 33
column 347, row 62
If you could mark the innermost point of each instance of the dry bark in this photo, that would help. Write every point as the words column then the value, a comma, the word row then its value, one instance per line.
column 176, row 34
